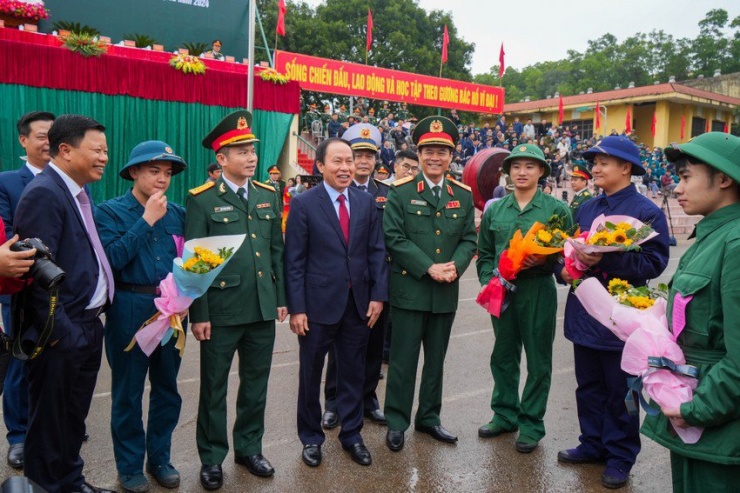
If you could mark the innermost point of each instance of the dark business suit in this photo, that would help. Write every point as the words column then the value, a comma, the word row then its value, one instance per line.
column 374, row 355
column 15, row 392
column 62, row 378
column 333, row 282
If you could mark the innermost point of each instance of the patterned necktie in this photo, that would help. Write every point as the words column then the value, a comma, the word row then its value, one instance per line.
column 343, row 217
column 242, row 195
column 92, row 232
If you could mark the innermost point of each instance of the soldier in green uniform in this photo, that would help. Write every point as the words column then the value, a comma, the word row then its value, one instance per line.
column 238, row 312
column 383, row 112
column 371, row 117
column 579, row 183
column 276, row 181
column 529, row 320
column 403, row 113
column 430, row 234
column 706, row 290
column 310, row 116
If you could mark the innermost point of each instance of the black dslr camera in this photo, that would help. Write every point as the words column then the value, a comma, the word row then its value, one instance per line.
column 43, row 271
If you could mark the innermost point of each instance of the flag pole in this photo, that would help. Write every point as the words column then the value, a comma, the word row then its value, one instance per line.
column 250, row 55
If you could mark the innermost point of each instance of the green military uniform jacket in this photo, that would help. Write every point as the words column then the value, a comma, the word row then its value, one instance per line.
column 710, row 271
column 579, row 199
column 420, row 232
column 382, row 113
column 251, row 287
column 279, row 187
column 502, row 219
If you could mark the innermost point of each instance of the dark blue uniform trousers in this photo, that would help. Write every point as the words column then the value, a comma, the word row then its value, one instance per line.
column 373, row 364
column 348, row 337
column 15, row 393
column 607, row 429
column 128, row 377
column 61, row 381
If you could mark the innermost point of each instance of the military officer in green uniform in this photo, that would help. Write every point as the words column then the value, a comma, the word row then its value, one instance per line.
column 529, row 320
column 326, row 116
column 705, row 290
column 311, row 116
column 276, row 181
column 403, row 113
column 238, row 312
column 383, row 112
column 371, row 117
column 579, row 183
column 430, row 234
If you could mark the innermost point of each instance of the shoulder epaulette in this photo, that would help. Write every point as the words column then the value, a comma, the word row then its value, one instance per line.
column 202, row 188
column 403, row 181
column 265, row 186
column 380, row 183
column 461, row 185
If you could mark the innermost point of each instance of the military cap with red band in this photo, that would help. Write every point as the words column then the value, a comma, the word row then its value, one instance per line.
column 581, row 171
column 233, row 130
column 436, row 130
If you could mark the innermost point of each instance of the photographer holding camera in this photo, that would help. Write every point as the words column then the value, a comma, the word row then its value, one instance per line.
column 61, row 377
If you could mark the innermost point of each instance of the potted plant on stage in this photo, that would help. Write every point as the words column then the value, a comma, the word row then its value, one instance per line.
column 16, row 12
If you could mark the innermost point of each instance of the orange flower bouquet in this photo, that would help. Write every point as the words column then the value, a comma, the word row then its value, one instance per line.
column 541, row 239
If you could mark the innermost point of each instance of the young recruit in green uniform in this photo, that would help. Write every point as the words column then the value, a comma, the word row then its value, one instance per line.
column 529, row 321
column 709, row 274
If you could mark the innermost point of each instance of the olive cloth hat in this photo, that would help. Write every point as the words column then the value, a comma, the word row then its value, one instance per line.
column 233, row 130
column 436, row 130
column 719, row 150
column 151, row 151
column 363, row 136
column 526, row 151
column 620, row 147
column 581, row 171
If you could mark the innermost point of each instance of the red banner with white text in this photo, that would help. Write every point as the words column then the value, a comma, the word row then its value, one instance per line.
column 354, row 79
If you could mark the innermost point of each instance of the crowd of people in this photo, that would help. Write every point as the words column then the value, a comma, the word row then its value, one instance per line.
column 365, row 271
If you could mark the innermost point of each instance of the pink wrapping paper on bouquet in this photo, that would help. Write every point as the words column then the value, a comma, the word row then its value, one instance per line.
column 646, row 334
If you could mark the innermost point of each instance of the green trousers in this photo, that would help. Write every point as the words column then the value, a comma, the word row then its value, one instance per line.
column 694, row 476
column 528, row 322
column 254, row 343
column 412, row 330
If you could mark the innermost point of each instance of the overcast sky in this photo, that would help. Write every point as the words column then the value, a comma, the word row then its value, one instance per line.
column 537, row 30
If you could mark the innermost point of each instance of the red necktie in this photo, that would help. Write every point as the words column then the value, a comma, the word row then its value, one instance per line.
column 343, row 217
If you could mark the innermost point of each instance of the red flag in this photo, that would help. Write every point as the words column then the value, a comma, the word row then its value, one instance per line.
column 280, row 29
column 370, row 26
column 653, row 127
column 598, row 115
column 727, row 128
column 708, row 127
column 561, row 111
column 628, row 121
column 445, row 42
column 683, row 126
column 501, row 65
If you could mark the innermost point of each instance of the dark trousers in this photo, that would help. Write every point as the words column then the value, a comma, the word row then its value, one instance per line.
column 349, row 339
column 61, row 381
column 128, row 376
column 373, row 364
column 15, row 392
column 607, row 429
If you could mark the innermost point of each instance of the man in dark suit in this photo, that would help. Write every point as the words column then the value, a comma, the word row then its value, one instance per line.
column 336, row 281
column 365, row 141
column 61, row 377
column 33, row 134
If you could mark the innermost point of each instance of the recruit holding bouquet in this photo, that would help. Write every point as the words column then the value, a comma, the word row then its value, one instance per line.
column 541, row 239
column 202, row 261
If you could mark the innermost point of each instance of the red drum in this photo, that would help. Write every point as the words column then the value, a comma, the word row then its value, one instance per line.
column 482, row 174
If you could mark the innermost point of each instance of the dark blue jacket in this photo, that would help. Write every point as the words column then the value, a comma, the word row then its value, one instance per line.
column 635, row 267
column 320, row 266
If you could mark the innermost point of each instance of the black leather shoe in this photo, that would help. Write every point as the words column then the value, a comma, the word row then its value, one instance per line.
column 438, row 433
column 330, row 420
column 256, row 464
column 376, row 416
column 211, row 477
column 525, row 447
column 311, row 455
column 360, row 454
column 88, row 488
column 15, row 456
column 394, row 439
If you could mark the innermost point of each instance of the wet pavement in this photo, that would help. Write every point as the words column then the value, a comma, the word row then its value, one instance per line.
column 424, row 465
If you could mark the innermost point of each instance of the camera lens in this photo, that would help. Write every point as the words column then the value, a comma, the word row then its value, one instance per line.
column 47, row 274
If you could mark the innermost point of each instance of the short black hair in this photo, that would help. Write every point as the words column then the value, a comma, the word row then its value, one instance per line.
column 683, row 161
column 24, row 123
column 70, row 129
column 213, row 167
column 321, row 149
column 407, row 154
